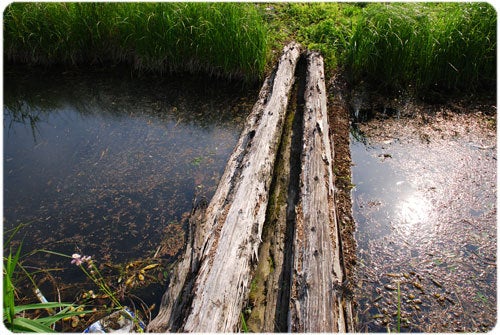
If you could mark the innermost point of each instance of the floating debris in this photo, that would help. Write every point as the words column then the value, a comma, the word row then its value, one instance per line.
column 123, row 321
column 434, row 226
column 390, row 287
column 114, row 168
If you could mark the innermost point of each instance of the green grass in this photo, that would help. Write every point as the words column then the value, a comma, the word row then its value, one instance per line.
column 14, row 317
column 225, row 39
column 324, row 27
column 449, row 47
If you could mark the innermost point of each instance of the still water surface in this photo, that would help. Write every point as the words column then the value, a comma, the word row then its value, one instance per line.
column 425, row 208
column 108, row 165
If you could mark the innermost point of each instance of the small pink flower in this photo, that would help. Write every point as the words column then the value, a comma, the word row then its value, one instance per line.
column 77, row 259
column 88, row 260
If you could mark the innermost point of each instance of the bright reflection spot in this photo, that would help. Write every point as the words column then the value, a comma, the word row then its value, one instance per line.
column 413, row 210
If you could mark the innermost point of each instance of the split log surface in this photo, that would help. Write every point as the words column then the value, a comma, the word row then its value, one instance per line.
column 316, row 303
column 270, row 291
column 207, row 291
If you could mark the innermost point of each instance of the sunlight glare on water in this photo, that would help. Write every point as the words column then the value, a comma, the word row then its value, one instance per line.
column 424, row 206
column 413, row 211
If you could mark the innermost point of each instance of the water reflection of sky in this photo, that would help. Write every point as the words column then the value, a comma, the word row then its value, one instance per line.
column 109, row 166
column 425, row 217
column 383, row 195
column 413, row 213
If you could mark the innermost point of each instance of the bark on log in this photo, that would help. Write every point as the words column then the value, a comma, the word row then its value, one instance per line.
column 317, row 301
column 209, row 295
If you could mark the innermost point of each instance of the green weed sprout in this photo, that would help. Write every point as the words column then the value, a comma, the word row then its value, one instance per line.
column 14, row 316
column 92, row 272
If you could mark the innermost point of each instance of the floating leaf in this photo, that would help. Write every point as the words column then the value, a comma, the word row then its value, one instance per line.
column 150, row 266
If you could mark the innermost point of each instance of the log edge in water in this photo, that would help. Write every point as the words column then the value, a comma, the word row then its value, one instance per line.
column 208, row 293
column 317, row 301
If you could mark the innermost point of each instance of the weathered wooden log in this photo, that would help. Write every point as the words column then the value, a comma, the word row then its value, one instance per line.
column 317, row 300
column 175, row 301
column 270, row 292
column 268, row 305
column 209, row 295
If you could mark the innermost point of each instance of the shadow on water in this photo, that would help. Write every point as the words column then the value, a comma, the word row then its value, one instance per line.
column 424, row 203
column 110, row 166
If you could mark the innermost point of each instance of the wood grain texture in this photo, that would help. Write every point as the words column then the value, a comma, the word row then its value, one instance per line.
column 316, row 299
column 225, row 245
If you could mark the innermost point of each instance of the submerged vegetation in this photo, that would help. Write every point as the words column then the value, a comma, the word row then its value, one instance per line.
column 444, row 46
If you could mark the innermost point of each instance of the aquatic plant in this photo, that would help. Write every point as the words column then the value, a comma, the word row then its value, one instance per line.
column 226, row 39
column 399, row 308
column 15, row 318
column 44, row 316
column 92, row 272
column 244, row 327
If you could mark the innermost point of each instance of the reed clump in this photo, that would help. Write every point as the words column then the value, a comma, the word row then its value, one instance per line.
column 432, row 46
column 449, row 47
column 224, row 39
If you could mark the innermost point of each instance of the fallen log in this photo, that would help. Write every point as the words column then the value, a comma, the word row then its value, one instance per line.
column 267, row 307
column 317, row 300
column 207, row 290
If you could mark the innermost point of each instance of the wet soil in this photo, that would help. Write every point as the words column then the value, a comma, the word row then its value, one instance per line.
column 340, row 123
column 424, row 203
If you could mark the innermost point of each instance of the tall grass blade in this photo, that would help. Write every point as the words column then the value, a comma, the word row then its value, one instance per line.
column 47, row 305
column 399, row 308
column 21, row 324
column 224, row 39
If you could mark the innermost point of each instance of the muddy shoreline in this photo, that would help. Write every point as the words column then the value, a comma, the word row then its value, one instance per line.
column 339, row 117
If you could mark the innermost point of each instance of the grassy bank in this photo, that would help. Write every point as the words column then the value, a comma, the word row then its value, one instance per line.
column 218, row 38
column 449, row 47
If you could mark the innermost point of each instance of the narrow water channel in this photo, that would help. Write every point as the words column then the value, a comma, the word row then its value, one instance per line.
column 424, row 203
column 108, row 165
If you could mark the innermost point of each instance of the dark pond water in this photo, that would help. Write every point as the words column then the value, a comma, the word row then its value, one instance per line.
column 425, row 206
column 109, row 165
